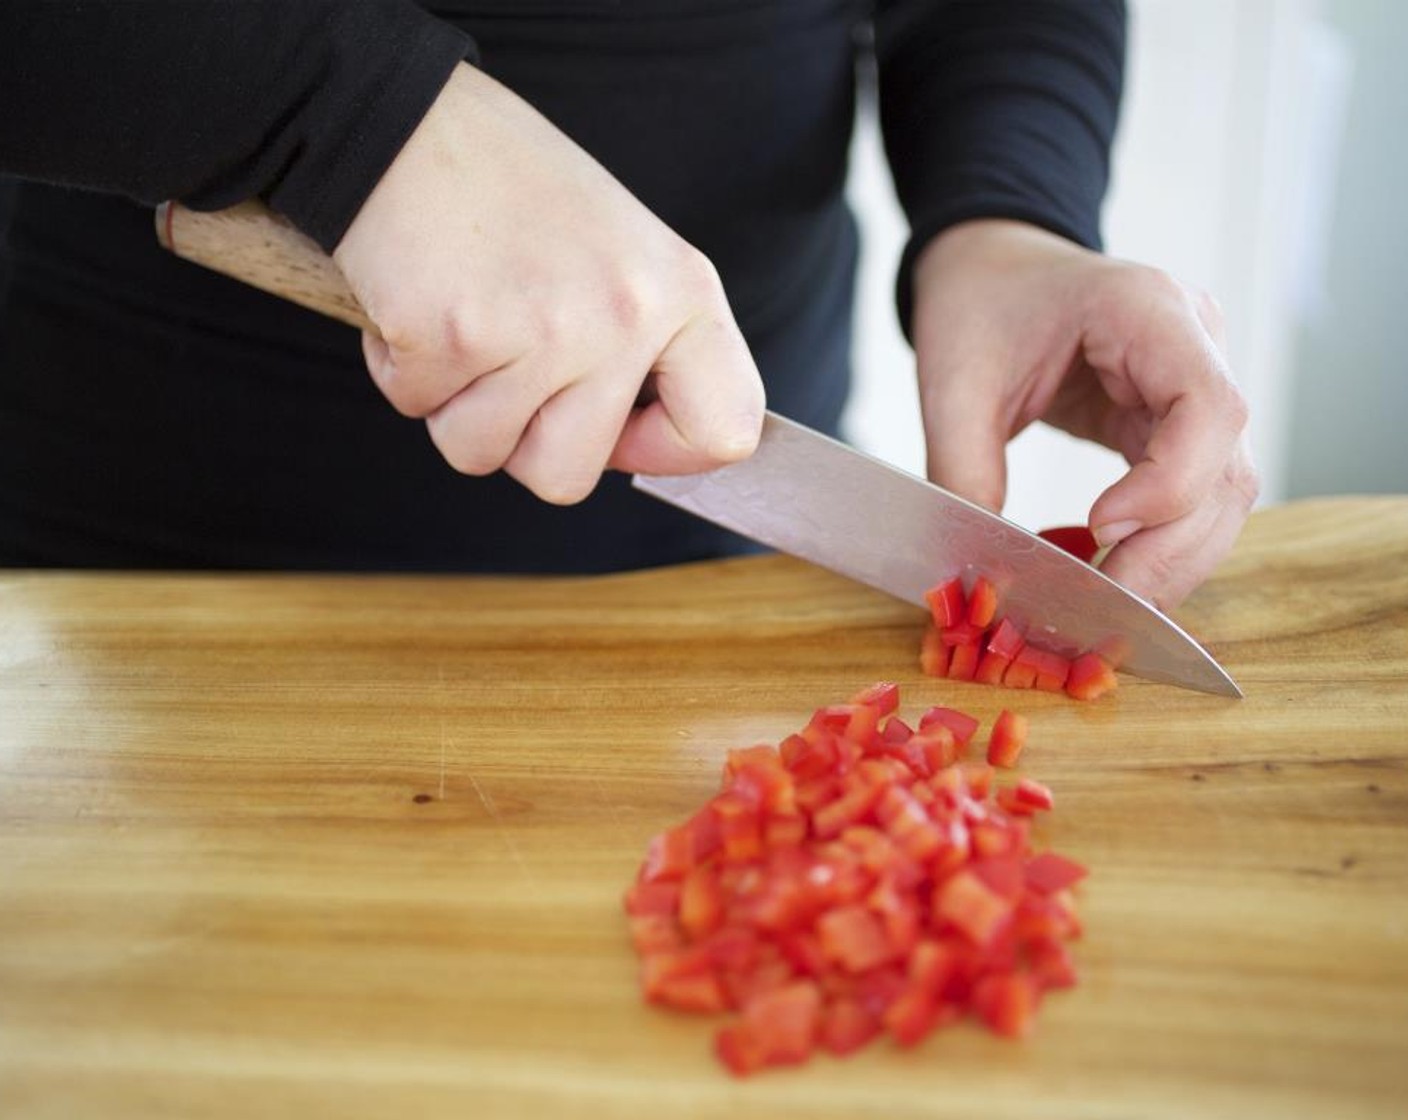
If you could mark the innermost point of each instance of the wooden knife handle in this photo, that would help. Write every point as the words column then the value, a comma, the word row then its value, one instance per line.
column 251, row 243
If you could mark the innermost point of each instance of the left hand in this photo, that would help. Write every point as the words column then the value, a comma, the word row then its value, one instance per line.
column 1013, row 324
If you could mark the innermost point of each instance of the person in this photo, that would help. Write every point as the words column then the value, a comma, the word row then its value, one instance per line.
column 541, row 205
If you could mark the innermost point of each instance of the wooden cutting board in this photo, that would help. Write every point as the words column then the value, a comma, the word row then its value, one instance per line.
column 354, row 847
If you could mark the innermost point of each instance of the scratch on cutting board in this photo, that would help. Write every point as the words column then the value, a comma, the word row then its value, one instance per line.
column 506, row 835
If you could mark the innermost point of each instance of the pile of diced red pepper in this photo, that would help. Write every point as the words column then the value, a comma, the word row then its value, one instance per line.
column 966, row 641
column 863, row 878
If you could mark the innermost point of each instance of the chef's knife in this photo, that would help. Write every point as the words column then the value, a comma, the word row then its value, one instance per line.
column 800, row 492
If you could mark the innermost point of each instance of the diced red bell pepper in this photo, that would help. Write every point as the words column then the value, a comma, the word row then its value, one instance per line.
column 807, row 758
column 741, row 1049
column 762, row 754
column 740, row 826
column 1009, row 736
column 968, row 904
column 1090, row 676
column 1076, row 539
column 933, row 654
column 1003, row 873
column 764, row 781
column 883, row 696
column 700, row 993
column 896, row 730
column 784, row 830
column 846, row 1025
column 955, row 846
column 1050, row 872
column 1009, row 802
column 1006, row 1002
column 1006, row 640
column 979, row 778
column 964, row 634
column 788, row 1019
column 653, row 933
column 652, row 897
column 946, row 603
column 860, row 879
column 854, row 938
column 960, row 723
column 912, row 1015
column 991, row 668
column 658, row 969
column 963, row 663
column 1050, row 964
column 701, row 903
column 907, row 822
column 1034, row 795
column 1051, row 668
column 932, row 965
column 994, row 838
column 669, row 856
column 982, row 603
column 1019, row 674
column 850, row 808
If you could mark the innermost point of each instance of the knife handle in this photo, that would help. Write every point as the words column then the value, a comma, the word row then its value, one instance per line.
column 250, row 243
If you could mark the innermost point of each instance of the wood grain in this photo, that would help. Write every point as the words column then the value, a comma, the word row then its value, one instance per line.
column 283, row 846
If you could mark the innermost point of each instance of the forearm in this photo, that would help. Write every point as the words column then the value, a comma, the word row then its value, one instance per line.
column 999, row 109
column 301, row 102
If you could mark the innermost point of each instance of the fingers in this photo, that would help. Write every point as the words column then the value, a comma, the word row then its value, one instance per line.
column 966, row 447
column 709, row 406
column 1165, row 564
column 1168, row 366
column 961, row 398
column 556, row 434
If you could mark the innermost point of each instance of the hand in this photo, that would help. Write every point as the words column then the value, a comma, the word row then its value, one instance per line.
column 522, row 296
column 1013, row 324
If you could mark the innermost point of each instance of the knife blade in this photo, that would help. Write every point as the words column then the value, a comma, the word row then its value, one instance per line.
column 816, row 498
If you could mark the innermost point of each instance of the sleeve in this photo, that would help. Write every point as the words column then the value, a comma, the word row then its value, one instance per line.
column 998, row 108
column 304, row 103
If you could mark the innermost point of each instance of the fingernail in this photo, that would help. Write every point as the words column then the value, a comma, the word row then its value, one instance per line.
column 1107, row 536
column 740, row 440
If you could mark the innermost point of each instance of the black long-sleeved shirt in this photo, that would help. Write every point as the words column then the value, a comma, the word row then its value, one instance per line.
column 152, row 414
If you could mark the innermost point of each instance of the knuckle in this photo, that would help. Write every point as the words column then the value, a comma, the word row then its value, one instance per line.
column 551, row 327
column 1209, row 309
column 630, row 304
column 701, row 278
column 1163, row 570
column 1244, row 480
column 467, row 456
column 1238, row 411
column 1162, row 288
column 460, row 336
column 400, row 386
column 1182, row 496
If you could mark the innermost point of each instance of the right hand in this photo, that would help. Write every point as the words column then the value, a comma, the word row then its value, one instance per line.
column 522, row 296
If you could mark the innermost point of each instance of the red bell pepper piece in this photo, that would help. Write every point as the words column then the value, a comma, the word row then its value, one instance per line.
column 1006, row 640
column 1009, row 736
column 933, row 654
column 946, row 603
column 982, row 603
column 963, row 663
column 1076, row 539
column 961, row 724
column 1090, row 676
